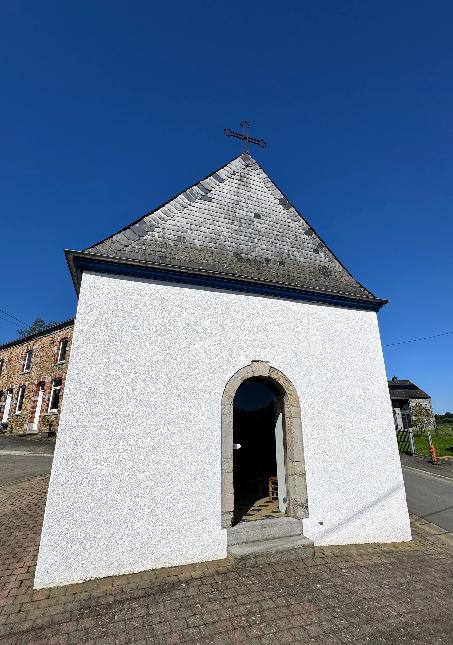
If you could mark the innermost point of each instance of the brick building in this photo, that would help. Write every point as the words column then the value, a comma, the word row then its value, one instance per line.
column 32, row 378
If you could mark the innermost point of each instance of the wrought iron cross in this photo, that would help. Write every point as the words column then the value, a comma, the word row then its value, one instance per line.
column 245, row 137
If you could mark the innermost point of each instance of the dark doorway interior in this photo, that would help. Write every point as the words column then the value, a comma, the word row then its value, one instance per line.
column 254, row 415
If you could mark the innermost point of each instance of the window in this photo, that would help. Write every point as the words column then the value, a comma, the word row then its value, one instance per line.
column 62, row 350
column 27, row 361
column 20, row 399
column 2, row 362
column 9, row 397
column 55, row 395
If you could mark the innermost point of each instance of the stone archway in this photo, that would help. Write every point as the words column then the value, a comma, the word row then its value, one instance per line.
column 297, row 502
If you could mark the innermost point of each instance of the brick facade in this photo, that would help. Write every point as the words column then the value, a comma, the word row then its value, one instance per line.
column 48, row 366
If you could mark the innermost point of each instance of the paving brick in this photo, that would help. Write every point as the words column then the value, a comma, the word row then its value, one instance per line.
column 361, row 594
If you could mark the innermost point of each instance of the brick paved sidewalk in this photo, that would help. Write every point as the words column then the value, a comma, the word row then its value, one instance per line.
column 367, row 594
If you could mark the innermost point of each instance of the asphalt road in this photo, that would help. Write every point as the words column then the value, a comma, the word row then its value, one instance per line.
column 430, row 497
column 21, row 458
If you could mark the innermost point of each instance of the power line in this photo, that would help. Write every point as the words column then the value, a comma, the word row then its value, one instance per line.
column 11, row 316
column 416, row 340
column 12, row 322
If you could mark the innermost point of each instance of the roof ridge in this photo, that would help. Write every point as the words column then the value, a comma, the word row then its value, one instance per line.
column 47, row 330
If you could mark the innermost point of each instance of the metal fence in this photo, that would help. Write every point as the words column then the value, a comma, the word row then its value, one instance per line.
column 405, row 439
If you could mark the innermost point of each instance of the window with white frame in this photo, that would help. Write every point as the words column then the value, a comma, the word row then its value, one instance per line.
column 20, row 399
column 7, row 406
column 62, row 350
column 55, row 395
column 27, row 361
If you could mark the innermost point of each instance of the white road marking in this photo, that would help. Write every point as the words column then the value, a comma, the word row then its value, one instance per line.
column 22, row 453
column 426, row 472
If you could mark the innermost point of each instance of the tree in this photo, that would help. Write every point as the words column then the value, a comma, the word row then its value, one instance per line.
column 38, row 325
column 421, row 418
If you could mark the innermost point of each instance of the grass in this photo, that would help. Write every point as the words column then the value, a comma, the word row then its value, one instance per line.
column 442, row 440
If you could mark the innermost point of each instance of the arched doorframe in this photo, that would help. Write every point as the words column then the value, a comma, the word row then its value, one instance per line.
column 297, row 502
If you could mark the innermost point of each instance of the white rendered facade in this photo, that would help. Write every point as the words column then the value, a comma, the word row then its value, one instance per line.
column 136, row 478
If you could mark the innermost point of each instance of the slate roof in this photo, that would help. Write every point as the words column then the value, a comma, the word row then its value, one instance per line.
column 49, row 329
column 237, row 224
column 403, row 389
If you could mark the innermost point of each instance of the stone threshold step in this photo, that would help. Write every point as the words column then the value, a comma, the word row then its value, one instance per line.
column 260, row 530
column 301, row 547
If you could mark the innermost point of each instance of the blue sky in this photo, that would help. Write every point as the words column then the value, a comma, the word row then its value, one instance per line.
column 109, row 108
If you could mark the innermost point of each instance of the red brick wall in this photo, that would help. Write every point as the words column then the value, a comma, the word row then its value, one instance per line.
column 44, row 369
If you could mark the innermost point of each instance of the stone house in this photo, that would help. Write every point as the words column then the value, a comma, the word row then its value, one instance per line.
column 223, row 287
column 32, row 380
column 404, row 395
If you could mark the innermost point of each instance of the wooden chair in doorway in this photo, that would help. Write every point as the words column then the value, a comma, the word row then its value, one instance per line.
column 273, row 489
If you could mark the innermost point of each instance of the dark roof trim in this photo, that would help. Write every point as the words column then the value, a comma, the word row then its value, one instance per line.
column 48, row 330
column 79, row 262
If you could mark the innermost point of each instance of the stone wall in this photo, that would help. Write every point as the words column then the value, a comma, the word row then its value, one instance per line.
column 43, row 370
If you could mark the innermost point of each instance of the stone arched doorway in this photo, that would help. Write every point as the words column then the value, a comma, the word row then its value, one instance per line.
column 296, row 489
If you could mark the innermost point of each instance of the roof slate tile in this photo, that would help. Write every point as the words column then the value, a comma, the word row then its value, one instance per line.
column 212, row 227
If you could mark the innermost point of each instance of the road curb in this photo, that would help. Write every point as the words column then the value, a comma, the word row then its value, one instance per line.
column 431, row 532
column 23, row 453
column 427, row 472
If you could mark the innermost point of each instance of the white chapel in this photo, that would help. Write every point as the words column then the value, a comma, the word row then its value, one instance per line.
column 226, row 393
